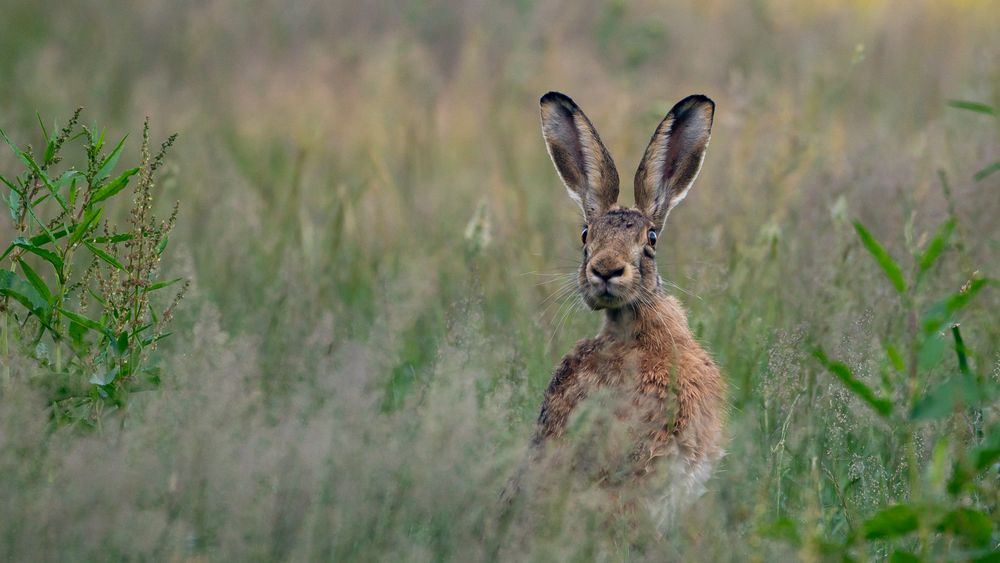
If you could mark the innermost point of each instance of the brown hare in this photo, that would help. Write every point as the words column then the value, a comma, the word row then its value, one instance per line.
column 670, row 393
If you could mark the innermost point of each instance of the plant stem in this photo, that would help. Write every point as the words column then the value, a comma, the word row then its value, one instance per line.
column 5, row 350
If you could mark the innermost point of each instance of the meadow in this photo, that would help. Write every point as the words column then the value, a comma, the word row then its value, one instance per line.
column 373, row 240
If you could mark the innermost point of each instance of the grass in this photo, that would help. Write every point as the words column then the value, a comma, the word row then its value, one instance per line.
column 369, row 222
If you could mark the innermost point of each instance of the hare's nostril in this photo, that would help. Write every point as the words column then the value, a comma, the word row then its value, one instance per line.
column 609, row 273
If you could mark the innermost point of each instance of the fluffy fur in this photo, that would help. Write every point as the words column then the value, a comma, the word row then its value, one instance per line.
column 668, row 393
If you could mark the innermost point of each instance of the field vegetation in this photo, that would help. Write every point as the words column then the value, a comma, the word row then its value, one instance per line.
column 373, row 249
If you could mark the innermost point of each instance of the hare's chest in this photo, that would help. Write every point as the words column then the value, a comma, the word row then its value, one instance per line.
column 621, row 380
column 617, row 368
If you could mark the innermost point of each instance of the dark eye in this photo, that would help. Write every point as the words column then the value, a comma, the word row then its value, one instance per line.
column 652, row 237
column 583, row 235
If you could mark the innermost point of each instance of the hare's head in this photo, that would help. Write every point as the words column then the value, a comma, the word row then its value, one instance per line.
column 619, row 244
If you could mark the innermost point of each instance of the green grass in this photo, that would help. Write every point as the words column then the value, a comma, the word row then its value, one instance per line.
column 371, row 228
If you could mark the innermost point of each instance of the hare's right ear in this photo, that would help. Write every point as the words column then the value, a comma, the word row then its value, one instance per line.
column 673, row 157
column 580, row 157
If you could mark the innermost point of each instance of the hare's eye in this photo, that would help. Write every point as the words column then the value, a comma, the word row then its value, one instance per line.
column 583, row 235
column 652, row 237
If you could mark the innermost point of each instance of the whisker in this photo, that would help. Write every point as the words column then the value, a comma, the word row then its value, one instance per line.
column 562, row 321
column 562, row 279
column 541, row 273
column 557, row 296
column 557, row 303
column 681, row 289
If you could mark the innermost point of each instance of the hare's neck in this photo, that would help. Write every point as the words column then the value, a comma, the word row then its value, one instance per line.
column 659, row 318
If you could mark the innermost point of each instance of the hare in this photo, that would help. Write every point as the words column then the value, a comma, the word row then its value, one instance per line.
column 672, row 394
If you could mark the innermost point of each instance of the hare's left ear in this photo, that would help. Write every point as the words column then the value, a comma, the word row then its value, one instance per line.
column 673, row 158
column 580, row 157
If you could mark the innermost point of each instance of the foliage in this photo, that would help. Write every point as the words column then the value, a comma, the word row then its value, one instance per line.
column 985, row 109
column 945, row 512
column 76, row 296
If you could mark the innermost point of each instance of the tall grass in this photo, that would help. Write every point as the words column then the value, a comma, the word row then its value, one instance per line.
column 369, row 222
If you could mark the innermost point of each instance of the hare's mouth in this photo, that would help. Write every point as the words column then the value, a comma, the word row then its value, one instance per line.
column 605, row 296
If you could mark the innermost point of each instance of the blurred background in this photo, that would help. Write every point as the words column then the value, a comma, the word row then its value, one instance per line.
column 372, row 228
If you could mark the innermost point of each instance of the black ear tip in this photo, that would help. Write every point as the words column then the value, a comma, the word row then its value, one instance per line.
column 557, row 98
column 695, row 100
column 694, row 104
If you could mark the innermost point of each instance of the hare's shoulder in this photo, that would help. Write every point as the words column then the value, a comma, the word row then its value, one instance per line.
column 568, row 386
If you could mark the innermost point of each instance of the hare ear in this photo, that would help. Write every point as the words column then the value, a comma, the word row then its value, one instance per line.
column 673, row 158
column 579, row 155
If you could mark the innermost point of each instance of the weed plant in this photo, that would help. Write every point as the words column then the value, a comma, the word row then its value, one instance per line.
column 75, row 296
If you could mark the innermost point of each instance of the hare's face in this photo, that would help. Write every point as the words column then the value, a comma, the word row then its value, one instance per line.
column 618, row 267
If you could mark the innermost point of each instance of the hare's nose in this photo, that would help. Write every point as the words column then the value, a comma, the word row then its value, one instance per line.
column 606, row 273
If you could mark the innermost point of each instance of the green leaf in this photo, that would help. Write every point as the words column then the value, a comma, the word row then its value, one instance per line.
column 14, row 200
column 73, row 191
column 13, row 286
column 119, row 345
column 57, row 234
column 48, row 233
column 50, row 151
column 162, row 284
column 90, row 218
column 987, row 453
column 110, row 162
column 894, row 521
column 10, row 185
column 66, row 177
column 882, row 406
column 961, row 352
column 969, row 524
column 44, row 254
column 940, row 313
column 77, row 333
column 973, row 106
column 45, row 132
column 46, row 238
column 937, row 468
column 115, row 186
column 35, row 280
column 105, row 256
column 931, row 352
column 6, row 139
column 85, row 322
column 888, row 265
column 945, row 398
column 986, row 457
column 114, row 239
column 937, row 245
column 903, row 557
column 895, row 357
column 97, row 141
column 157, row 338
column 162, row 245
column 987, row 171
column 97, row 297
column 105, row 377
column 46, row 181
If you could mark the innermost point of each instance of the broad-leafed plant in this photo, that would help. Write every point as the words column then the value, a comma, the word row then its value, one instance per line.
column 932, row 386
column 77, row 288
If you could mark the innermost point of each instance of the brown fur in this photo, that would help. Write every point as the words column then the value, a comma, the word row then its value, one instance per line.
column 670, row 395
column 672, row 383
